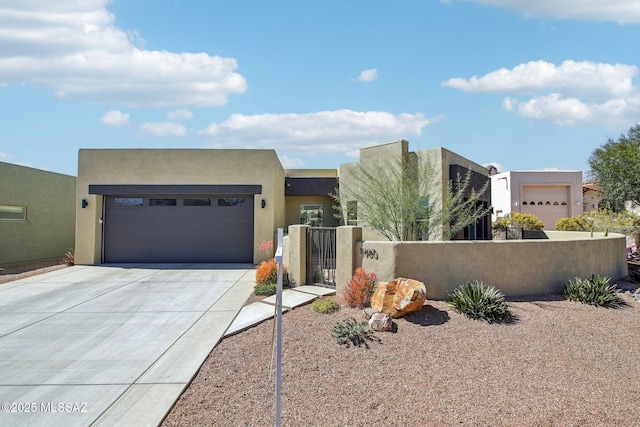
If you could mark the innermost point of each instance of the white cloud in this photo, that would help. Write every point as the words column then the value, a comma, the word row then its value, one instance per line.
column 368, row 75
column 354, row 154
column 180, row 115
column 164, row 129
column 9, row 158
column 321, row 132
column 585, row 78
column 557, row 109
column 621, row 11
column 572, row 94
column 75, row 49
column 290, row 163
column 115, row 118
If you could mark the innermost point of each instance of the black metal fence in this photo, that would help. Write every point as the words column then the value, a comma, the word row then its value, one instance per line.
column 321, row 256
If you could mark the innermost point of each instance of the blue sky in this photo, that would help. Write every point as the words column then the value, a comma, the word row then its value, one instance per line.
column 524, row 85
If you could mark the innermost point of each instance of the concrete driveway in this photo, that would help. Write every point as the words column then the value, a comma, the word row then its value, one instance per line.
column 111, row 345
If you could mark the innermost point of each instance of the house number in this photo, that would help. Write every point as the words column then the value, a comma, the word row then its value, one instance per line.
column 369, row 253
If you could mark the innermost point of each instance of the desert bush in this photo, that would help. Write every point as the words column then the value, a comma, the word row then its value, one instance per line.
column 479, row 301
column 603, row 221
column 526, row 221
column 325, row 305
column 69, row 259
column 359, row 289
column 267, row 272
column 595, row 291
column 265, row 289
column 350, row 331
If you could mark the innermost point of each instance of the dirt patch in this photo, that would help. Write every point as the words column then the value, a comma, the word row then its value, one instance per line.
column 9, row 274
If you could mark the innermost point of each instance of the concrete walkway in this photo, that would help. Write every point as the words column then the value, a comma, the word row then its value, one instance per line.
column 258, row 312
column 111, row 345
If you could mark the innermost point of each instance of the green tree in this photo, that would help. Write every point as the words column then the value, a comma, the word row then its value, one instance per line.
column 404, row 200
column 615, row 167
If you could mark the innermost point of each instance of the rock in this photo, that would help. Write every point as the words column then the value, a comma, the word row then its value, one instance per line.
column 380, row 322
column 368, row 312
column 399, row 297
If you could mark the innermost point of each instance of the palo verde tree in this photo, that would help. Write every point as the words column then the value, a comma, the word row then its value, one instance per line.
column 404, row 199
column 615, row 167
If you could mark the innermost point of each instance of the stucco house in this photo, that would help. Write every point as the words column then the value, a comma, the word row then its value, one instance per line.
column 37, row 215
column 549, row 195
column 444, row 165
column 207, row 205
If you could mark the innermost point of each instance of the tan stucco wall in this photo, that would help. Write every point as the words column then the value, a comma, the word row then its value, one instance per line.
column 48, row 232
column 520, row 267
column 437, row 160
column 177, row 167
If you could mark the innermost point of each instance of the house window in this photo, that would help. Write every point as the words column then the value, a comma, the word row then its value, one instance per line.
column 13, row 213
column 129, row 201
column 163, row 202
column 196, row 202
column 232, row 202
column 311, row 215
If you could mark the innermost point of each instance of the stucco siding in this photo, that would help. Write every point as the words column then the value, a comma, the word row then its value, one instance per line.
column 48, row 231
column 177, row 167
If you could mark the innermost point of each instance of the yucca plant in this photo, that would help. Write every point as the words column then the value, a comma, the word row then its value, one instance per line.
column 595, row 291
column 479, row 301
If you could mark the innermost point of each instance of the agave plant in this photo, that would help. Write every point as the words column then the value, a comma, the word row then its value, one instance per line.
column 595, row 291
column 479, row 301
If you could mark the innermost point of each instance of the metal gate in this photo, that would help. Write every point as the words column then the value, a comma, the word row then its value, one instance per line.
column 321, row 256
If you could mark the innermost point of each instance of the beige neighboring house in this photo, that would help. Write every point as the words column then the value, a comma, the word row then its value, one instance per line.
column 37, row 215
column 446, row 165
column 590, row 197
column 549, row 195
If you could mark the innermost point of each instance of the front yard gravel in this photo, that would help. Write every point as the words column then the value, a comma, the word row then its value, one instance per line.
column 560, row 363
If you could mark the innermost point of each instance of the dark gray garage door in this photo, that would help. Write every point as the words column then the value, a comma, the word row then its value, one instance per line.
column 178, row 229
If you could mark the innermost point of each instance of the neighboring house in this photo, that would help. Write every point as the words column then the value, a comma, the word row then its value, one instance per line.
column 206, row 205
column 446, row 166
column 590, row 196
column 37, row 215
column 549, row 195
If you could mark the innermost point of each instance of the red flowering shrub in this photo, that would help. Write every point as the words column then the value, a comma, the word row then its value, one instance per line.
column 359, row 289
column 267, row 272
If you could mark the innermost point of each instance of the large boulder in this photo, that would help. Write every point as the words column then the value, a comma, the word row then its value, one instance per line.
column 399, row 297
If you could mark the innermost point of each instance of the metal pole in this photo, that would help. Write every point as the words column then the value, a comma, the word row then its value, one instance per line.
column 279, row 326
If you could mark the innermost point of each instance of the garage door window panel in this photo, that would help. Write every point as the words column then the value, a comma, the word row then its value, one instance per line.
column 232, row 202
column 196, row 202
column 163, row 202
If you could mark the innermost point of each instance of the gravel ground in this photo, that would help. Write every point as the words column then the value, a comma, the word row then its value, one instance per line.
column 9, row 274
column 559, row 363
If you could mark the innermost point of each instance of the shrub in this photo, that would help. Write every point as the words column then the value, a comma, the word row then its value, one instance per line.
column 595, row 291
column 265, row 289
column 267, row 272
column 478, row 301
column 349, row 331
column 69, row 259
column 325, row 305
column 603, row 221
column 526, row 221
column 359, row 289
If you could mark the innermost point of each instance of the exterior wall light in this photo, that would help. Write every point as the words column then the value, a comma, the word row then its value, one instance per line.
column 85, row 202
column 264, row 203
